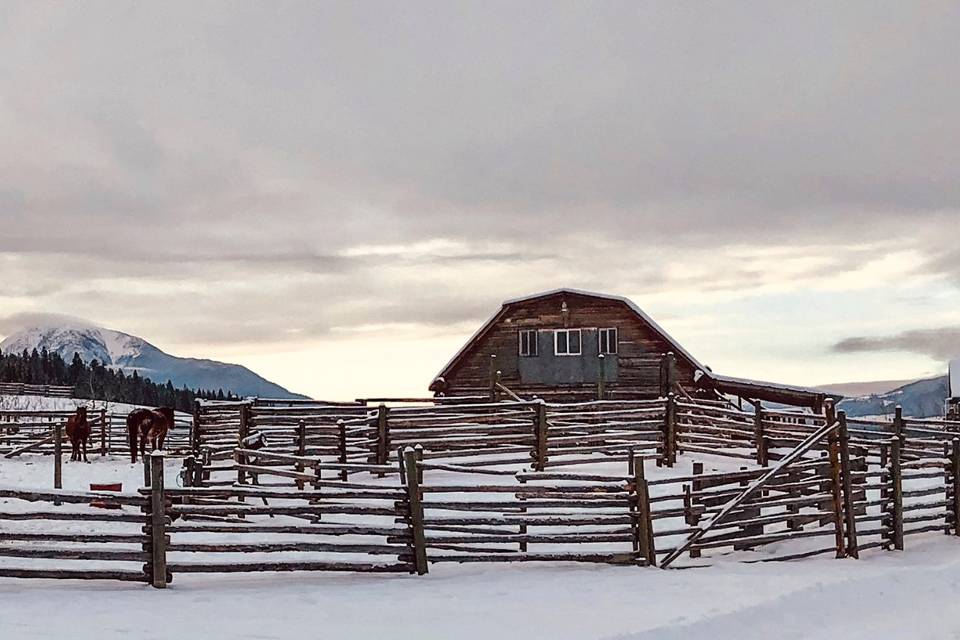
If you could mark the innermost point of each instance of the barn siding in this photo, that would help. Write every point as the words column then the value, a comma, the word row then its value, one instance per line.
column 551, row 369
column 637, row 363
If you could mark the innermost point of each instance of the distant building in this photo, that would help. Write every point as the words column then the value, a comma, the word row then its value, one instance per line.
column 952, row 410
column 570, row 344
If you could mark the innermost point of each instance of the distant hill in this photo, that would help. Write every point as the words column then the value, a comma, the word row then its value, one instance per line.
column 130, row 353
column 920, row 399
column 856, row 389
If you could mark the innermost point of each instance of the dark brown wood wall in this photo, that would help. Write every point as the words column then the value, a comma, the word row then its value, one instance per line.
column 640, row 347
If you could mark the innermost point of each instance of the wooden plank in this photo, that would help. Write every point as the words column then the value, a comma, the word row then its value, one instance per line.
column 250, row 567
column 71, row 574
column 32, row 446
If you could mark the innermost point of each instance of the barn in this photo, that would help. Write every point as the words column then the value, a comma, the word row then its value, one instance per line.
column 569, row 344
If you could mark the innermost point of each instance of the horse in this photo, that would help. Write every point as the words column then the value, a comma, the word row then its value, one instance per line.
column 148, row 425
column 78, row 430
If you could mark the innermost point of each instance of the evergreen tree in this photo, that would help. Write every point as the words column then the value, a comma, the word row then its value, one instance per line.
column 96, row 381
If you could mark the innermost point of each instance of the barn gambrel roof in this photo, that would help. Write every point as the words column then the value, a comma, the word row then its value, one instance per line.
column 676, row 347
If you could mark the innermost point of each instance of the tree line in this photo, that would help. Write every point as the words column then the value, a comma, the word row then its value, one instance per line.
column 98, row 382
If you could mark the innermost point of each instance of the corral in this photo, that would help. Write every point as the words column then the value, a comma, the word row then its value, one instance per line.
column 268, row 486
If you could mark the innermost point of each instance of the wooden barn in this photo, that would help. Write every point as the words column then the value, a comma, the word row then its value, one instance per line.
column 575, row 345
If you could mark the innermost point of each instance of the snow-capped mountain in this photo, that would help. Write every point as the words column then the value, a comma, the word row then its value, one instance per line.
column 920, row 399
column 130, row 353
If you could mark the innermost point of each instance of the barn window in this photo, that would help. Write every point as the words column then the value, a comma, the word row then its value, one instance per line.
column 566, row 342
column 528, row 342
column 607, row 340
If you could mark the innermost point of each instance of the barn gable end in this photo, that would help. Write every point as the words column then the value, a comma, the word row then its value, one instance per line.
column 546, row 363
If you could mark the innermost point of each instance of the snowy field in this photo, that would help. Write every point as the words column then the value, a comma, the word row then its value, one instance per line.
column 43, row 403
column 910, row 594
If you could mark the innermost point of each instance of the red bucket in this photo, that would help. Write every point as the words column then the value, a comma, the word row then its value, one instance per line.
column 112, row 486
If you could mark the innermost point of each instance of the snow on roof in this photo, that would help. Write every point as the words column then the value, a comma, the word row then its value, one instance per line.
column 677, row 348
column 772, row 385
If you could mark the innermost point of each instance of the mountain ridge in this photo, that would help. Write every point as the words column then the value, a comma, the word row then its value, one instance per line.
column 919, row 399
column 131, row 353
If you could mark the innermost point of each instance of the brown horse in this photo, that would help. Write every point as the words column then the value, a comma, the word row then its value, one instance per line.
column 145, row 425
column 78, row 430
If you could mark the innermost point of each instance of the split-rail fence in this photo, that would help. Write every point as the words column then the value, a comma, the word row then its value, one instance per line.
column 270, row 486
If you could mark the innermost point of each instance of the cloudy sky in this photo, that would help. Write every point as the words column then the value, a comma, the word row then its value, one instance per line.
column 337, row 194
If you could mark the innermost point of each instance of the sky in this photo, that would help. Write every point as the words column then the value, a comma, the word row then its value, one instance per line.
column 338, row 194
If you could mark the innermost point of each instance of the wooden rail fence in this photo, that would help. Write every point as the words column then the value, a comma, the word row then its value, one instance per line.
column 394, row 489
column 33, row 432
column 45, row 390
column 482, row 434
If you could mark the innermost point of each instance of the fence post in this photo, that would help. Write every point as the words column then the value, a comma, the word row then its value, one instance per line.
column 206, row 457
column 836, row 502
column 318, row 487
column 749, row 513
column 242, row 434
column 342, row 448
column 758, row 433
column 601, row 377
column 955, row 477
column 493, row 377
column 189, row 472
column 670, row 431
column 195, row 428
column 671, row 371
column 103, row 432
column 244, row 429
column 523, row 527
column 239, row 460
column 644, row 517
column 158, row 516
column 147, row 478
column 540, row 435
column 383, row 436
column 794, row 477
column 301, row 449
column 415, row 504
column 418, row 450
column 896, row 480
column 898, row 427
column 848, row 498
column 697, row 486
column 57, row 456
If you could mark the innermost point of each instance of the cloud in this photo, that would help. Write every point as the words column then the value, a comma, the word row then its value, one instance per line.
column 19, row 321
column 940, row 344
column 285, row 173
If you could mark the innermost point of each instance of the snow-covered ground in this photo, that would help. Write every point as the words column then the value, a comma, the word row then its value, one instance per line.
column 894, row 595
column 43, row 403
column 910, row 594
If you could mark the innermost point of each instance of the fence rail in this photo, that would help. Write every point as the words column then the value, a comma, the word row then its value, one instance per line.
column 111, row 546
column 46, row 390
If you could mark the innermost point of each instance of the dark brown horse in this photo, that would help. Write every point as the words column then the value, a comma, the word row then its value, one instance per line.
column 78, row 430
column 148, row 425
